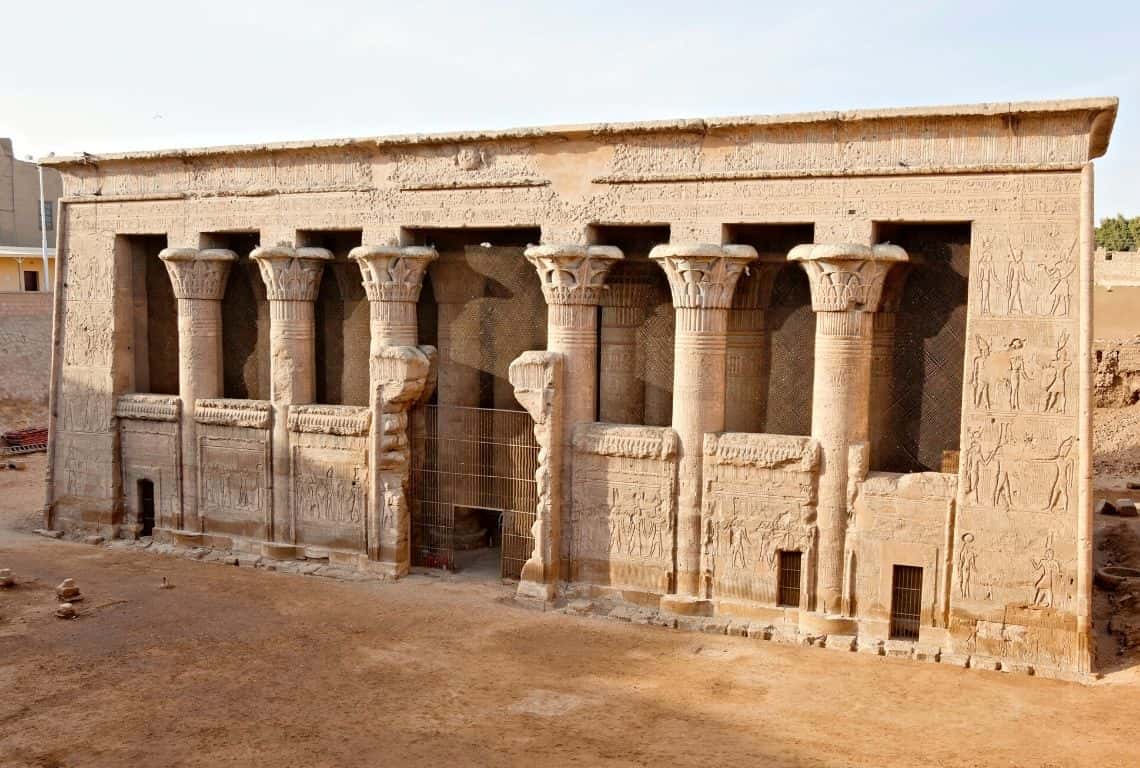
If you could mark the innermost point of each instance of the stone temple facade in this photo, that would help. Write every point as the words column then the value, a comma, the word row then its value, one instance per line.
column 826, row 371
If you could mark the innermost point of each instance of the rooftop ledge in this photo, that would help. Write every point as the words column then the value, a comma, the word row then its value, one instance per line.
column 1103, row 116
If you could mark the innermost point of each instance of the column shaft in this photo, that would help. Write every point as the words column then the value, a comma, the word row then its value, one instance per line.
column 698, row 407
column 199, row 376
column 839, row 418
column 622, row 396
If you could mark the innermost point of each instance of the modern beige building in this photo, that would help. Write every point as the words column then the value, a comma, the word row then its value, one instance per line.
column 826, row 373
column 23, row 247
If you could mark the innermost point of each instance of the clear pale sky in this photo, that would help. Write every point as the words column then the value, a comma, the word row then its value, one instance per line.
column 127, row 74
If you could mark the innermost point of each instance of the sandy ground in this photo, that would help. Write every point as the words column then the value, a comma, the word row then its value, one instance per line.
column 242, row 667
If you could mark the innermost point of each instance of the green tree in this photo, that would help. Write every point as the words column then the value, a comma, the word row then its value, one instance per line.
column 1118, row 233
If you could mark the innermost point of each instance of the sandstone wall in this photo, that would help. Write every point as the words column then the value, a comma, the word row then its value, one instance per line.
column 25, row 348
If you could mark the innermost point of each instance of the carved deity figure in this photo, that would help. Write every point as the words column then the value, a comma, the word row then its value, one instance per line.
column 975, row 460
column 1015, row 278
column 1059, row 291
column 967, row 565
column 987, row 276
column 1003, row 488
column 1017, row 373
column 1048, row 574
column 1062, row 477
column 1053, row 376
column 979, row 379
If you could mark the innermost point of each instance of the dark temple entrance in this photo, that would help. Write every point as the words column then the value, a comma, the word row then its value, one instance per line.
column 472, row 487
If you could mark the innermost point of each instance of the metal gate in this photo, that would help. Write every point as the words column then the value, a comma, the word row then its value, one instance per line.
column 906, row 602
column 482, row 458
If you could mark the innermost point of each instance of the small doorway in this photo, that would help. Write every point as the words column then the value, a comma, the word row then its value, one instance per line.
column 146, row 507
column 788, row 577
column 31, row 280
column 906, row 602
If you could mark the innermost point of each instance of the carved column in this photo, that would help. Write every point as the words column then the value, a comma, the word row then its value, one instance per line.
column 393, row 276
column 399, row 374
column 199, row 282
column 573, row 280
column 622, row 399
column 537, row 380
column 292, row 277
column 702, row 279
column 846, row 287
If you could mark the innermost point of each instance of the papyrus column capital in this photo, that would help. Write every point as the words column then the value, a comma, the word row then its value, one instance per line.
column 702, row 275
column 290, row 274
column 573, row 274
column 198, row 274
column 393, row 273
column 846, row 276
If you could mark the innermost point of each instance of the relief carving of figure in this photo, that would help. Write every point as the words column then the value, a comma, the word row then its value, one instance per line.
column 1062, row 477
column 1059, row 291
column 979, row 375
column 967, row 565
column 1015, row 278
column 1053, row 378
column 975, row 460
column 1017, row 373
column 987, row 275
column 1002, row 484
column 1048, row 575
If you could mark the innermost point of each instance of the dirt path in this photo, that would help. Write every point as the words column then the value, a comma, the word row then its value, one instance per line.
column 246, row 668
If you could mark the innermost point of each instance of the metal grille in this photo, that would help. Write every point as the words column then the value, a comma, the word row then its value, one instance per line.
column 482, row 458
column 924, row 410
column 906, row 602
column 789, row 578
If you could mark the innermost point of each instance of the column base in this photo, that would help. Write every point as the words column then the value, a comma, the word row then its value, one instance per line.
column 827, row 624
column 686, row 605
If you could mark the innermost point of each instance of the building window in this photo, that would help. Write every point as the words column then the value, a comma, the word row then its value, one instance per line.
column 48, row 219
column 788, row 579
column 906, row 602
column 31, row 281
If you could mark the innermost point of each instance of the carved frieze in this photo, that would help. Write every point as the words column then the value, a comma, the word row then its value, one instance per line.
column 329, row 419
column 148, row 407
column 329, row 488
column 256, row 414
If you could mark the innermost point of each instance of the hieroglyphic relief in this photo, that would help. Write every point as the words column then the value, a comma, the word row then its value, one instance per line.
column 465, row 166
column 1021, row 274
column 87, row 338
column 623, row 515
column 329, row 488
column 149, row 443
column 1027, row 465
column 1017, row 373
column 233, row 481
column 760, row 500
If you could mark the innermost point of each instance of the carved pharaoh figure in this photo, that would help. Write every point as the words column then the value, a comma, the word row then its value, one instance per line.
column 967, row 565
column 1048, row 575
